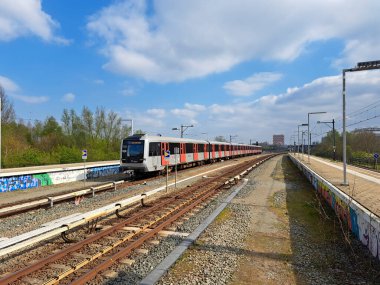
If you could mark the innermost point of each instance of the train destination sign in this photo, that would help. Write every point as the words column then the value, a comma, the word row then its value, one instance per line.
column 167, row 153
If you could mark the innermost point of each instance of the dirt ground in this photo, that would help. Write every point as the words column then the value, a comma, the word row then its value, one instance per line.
column 295, row 239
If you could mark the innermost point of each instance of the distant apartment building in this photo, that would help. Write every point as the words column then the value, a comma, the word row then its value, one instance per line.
column 278, row 139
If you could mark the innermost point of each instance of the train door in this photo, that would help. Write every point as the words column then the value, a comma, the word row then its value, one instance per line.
column 182, row 152
column 205, row 151
column 220, row 150
column 164, row 146
column 213, row 151
column 195, row 151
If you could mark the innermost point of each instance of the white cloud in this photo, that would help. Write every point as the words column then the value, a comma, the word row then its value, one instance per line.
column 99, row 81
column 128, row 92
column 259, row 119
column 184, row 113
column 13, row 91
column 251, row 84
column 195, row 107
column 68, row 97
column 158, row 113
column 181, row 39
column 26, row 17
column 189, row 112
column 31, row 99
column 8, row 84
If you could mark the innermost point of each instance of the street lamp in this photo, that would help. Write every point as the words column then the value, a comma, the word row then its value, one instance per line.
column 183, row 129
column 333, row 129
column 308, row 132
column 298, row 148
column 303, row 142
column 232, row 137
column 368, row 65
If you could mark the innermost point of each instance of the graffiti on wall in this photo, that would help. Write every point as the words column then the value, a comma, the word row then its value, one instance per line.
column 44, row 179
column 17, row 182
column 66, row 176
column 364, row 226
column 23, row 182
column 96, row 172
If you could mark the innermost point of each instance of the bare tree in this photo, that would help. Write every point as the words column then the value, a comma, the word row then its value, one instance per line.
column 88, row 122
column 8, row 114
column 100, row 123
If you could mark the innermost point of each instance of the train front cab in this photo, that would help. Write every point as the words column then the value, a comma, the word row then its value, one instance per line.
column 132, row 154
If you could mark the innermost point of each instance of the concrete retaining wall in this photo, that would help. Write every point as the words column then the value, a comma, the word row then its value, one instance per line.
column 363, row 223
column 22, row 182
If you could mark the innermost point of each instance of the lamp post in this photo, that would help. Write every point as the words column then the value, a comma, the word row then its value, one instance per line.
column 298, row 141
column 303, row 143
column 368, row 65
column 308, row 132
column 183, row 129
column 333, row 129
column 232, row 137
column 129, row 120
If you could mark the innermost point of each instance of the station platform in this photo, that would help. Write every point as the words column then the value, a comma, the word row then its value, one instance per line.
column 363, row 185
column 6, row 172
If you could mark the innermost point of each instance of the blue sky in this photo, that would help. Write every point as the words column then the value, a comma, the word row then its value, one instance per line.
column 245, row 68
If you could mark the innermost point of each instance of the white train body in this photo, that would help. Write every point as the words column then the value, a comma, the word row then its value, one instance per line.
column 146, row 153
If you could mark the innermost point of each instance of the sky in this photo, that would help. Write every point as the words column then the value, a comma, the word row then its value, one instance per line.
column 244, row 68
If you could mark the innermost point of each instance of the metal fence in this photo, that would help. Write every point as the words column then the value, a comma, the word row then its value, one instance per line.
column 365, row 162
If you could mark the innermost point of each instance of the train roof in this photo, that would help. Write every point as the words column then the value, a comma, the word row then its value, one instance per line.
column 165, row 139
column 153, row 138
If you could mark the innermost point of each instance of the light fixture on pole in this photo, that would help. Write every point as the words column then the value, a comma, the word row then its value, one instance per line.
column 183, row 129
column 333, row 129
column 308, row 132
column 368, row 65
column 298, row 148
column 232, row 137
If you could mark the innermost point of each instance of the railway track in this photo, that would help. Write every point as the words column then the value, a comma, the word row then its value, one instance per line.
column 26, row 205
column 43, row 202
column 84, row 260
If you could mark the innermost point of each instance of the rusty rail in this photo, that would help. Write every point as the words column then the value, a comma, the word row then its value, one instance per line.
column 189, row 191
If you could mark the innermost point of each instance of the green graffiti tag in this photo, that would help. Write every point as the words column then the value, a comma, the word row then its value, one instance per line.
column 44, row 179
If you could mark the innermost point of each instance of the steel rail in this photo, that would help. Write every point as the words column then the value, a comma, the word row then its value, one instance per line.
column 34, row 267
column 40, row 264
column 110, row 261
column 125, row 251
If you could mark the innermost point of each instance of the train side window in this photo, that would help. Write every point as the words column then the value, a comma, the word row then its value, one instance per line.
column 189, row 148
column 154, row 149
column 172, row 146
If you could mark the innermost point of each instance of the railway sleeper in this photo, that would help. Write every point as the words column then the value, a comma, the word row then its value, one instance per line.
column 110, row 274
column 127, row 261
column 31, row 281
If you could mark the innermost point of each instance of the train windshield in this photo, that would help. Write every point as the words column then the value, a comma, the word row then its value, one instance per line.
column 133, row 149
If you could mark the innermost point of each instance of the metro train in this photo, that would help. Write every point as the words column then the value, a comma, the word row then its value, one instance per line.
column 147, row 153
